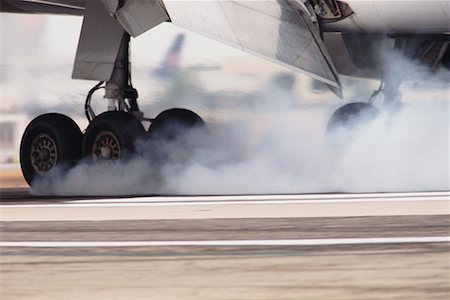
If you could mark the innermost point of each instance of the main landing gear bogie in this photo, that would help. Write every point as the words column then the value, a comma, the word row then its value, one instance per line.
column 54, row 141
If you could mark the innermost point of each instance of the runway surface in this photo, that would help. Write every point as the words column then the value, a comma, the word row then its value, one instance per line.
column 321, row 246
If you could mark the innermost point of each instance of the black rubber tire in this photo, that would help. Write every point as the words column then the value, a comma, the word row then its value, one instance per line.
column 66, row 136
column 351, row 116
column 174, row 123
column 168, row 138
column 125, row 127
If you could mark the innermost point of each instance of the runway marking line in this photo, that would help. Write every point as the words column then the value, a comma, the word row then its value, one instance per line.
column 315, row 197
column 281, row 242
column 220, row 207
column 239, row 200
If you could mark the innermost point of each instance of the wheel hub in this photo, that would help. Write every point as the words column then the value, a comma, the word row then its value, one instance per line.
column 106, row 147
column 44, row 153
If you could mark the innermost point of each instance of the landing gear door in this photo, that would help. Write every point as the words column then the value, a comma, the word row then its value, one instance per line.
column 281, row 31
column 137, row 16
column 98, row 45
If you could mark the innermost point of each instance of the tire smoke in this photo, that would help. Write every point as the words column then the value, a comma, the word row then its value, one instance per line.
column 282, row 152
column 269, row 147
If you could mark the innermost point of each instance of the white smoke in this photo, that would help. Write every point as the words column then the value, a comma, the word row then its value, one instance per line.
column 270, row 150
column 283, row 153
column 405, row 152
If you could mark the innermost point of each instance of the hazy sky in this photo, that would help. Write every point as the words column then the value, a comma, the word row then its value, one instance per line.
column 59, row 36
column 39, row 51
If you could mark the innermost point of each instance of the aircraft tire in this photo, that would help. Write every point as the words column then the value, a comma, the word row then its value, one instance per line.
column 49, row 141
column 111, row 136
column 351, row 116
column 169, row 137
column 171, row 124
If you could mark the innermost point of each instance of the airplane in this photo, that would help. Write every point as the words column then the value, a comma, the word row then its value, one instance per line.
column 323, row 39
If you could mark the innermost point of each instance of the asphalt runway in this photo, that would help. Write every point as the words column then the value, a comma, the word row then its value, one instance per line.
column 321, row 246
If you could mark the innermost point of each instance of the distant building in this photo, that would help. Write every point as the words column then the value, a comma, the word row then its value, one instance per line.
column 12, row 125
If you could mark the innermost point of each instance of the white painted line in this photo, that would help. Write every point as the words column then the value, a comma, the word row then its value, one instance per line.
column 222, row 210
column 315, row 197
column 204, row 201
column 290, row 242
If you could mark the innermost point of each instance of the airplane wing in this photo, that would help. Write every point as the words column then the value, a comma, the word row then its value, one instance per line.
column 278, row 30
column 65, row 7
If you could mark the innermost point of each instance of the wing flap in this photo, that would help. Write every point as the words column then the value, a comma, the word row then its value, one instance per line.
column 277, row 30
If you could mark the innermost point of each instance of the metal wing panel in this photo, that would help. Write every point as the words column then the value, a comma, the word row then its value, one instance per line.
column 275, row 30
column 207, row 18
column 64, row 7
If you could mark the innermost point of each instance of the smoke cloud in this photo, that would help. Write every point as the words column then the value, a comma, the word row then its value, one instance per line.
column 283, row 153
column 286, row 150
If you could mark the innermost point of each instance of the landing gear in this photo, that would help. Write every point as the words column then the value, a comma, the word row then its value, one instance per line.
column 172, row 124
column 351, row 115
column 355, row 114
column 173, row 135
column 111, row 136
column 49, row 142
column 421, row 50
column 54, row 141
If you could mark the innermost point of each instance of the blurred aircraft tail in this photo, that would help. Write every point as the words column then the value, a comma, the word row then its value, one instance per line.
column 171, row 62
